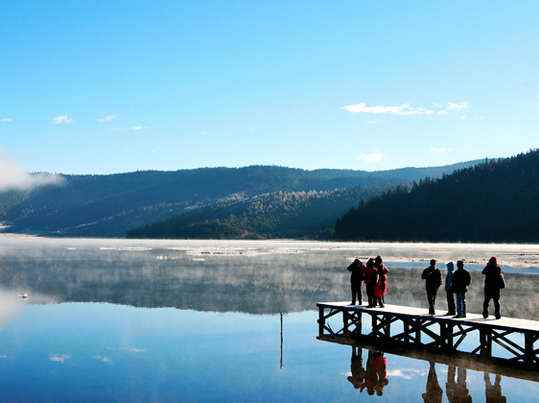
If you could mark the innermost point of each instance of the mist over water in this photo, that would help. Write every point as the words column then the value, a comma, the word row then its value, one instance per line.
column 87, row 313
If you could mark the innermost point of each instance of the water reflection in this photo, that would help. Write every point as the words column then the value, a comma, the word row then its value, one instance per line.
column 374, row 378
column 257, row 283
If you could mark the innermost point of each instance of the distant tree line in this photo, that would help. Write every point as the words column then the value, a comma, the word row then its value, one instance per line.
column 496, row 201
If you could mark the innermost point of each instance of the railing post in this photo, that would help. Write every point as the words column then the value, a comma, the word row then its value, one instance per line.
column 417, row 323
column 485, row 337
column 529, row 353
column 345, row 321
column 321, row 321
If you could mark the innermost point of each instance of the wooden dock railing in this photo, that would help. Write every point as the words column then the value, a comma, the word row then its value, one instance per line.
column 514, row 340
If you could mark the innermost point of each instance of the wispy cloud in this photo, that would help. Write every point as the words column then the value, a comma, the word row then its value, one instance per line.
column 62, row 120
column 440, row 150
column 14, row 177
column 136, row 128
column 406, row 373
column 371, row 158
column 406, row 109
column 106, row 119
column 61, row 358
column 6, row 120
column 104, row 359
column 133, row 350
column 403, row 110
column 455, row 106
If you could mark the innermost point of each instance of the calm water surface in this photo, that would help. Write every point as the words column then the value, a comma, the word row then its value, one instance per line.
column 115, row 320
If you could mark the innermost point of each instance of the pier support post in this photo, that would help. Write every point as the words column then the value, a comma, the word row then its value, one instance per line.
column 321, row 321
column 529, row 352
column 485, row 337
column 345, row 321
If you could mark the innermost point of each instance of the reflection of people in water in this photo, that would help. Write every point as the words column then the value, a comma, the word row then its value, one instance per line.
column 457, row 392
column 433, row 393
column 493, row 393
column 356, row 367
column 374, row 378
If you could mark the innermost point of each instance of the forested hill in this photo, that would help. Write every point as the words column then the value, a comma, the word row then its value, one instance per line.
column 111, row 205
column 496, row 201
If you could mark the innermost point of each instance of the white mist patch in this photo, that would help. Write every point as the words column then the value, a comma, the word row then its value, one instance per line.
column 10, row 305
column 12, row 177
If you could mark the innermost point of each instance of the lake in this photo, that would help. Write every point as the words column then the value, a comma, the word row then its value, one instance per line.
column 224, row 321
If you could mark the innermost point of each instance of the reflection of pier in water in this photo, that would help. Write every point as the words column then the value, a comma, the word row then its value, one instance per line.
column 411, row 332
column 374, row 377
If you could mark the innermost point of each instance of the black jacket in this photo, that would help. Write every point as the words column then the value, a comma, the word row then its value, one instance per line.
column 461, row 280
column 432, row 277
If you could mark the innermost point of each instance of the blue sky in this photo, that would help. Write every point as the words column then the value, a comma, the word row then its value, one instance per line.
column 111, row 86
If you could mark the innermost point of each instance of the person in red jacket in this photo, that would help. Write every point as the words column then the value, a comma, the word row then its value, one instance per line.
column 380, row 288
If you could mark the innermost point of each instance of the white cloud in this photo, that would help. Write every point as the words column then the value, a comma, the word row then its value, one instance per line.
column 136, row 128
column 13, row 177
column 406, row 373
column 62, row 120
column 133, row 350
column 406, row 109
column 61, row 358
column 403, row 110
column 371, row 158
column 440, row 150
column 106, row 119
column 104, row 359
column 6, row 120
column 454, row 106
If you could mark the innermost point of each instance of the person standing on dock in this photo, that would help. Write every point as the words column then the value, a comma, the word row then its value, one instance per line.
column 380, row 289
column 461, row 282
column 494, row 282
column 370, row 281
column 449, row 289
column 433, row 281
column 356, row 278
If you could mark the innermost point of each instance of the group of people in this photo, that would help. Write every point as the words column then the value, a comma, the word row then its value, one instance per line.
column 457, row 282
column 374, row 275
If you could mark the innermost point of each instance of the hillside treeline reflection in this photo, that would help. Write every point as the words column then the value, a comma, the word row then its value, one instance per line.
column 254, row 284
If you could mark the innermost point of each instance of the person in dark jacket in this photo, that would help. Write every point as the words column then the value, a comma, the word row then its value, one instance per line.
column 449, row 289
column 494, row 282
column 357, row 270
column 461, row 282
column 371, row 277
column 433, row 281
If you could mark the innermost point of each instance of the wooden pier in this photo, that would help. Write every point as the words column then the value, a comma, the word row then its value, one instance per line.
column 506, row 341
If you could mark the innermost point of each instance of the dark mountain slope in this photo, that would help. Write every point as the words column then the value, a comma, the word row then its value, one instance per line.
column 496, row 201
column 110, row 205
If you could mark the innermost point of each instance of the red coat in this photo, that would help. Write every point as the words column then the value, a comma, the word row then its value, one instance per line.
column 380, row 289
